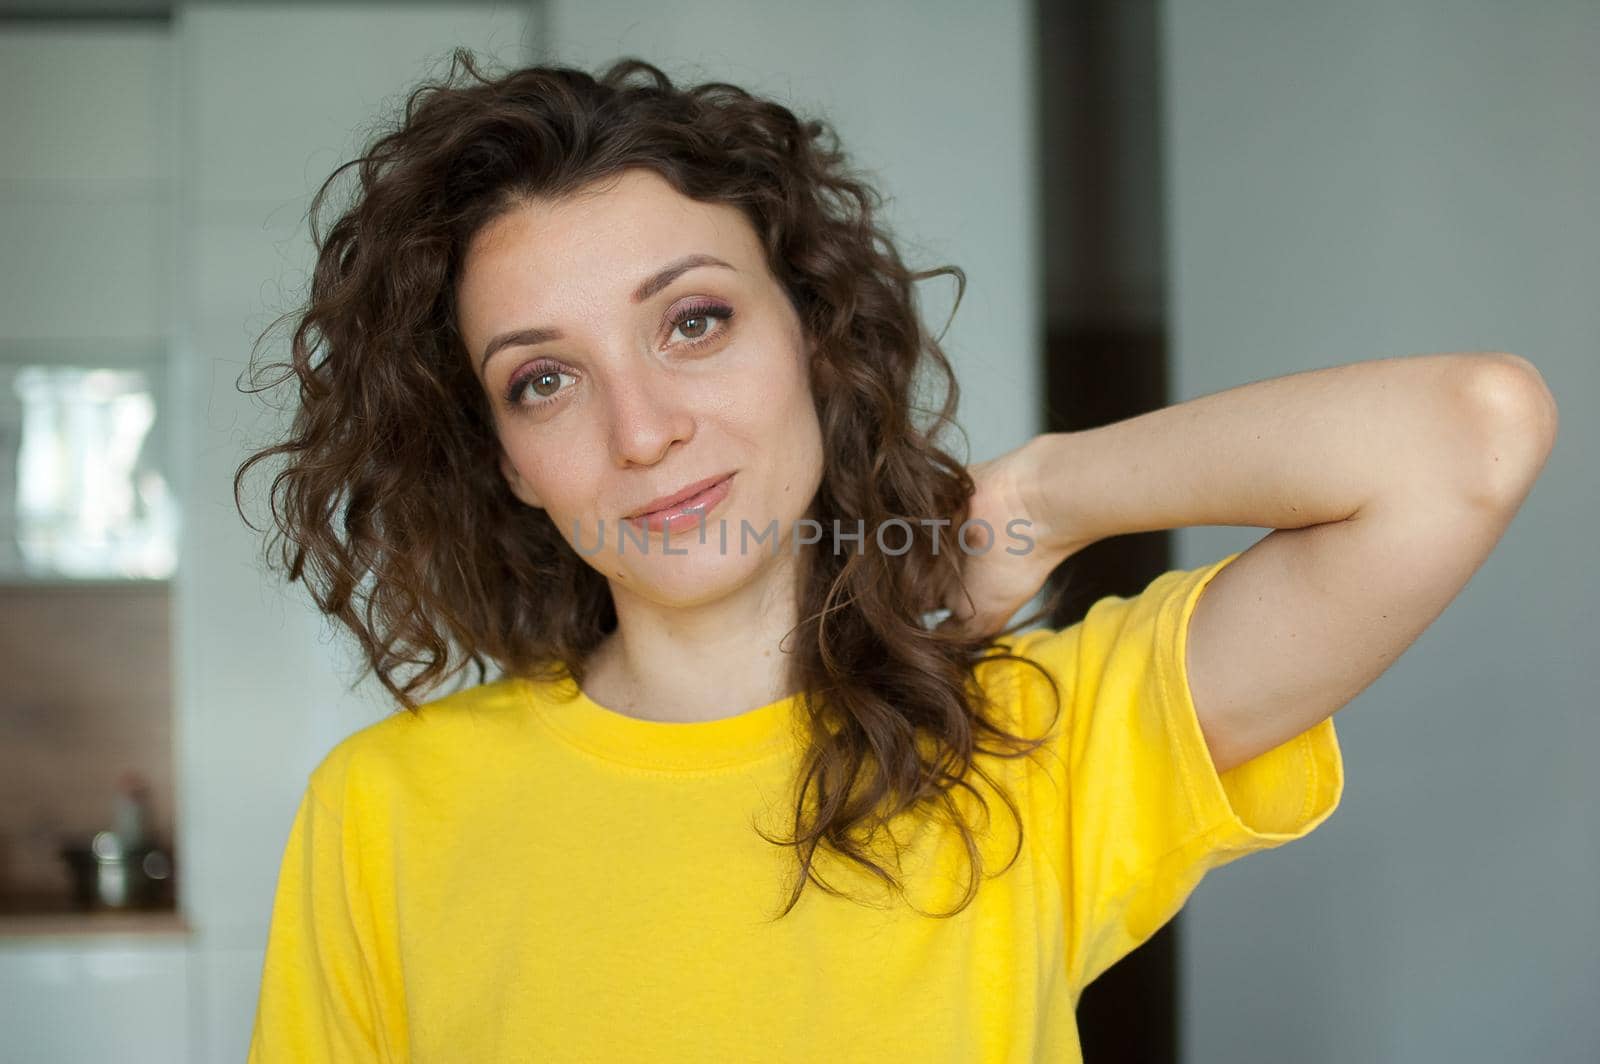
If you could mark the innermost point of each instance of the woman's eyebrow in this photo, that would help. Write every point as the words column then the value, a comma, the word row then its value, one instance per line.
column 647, row 288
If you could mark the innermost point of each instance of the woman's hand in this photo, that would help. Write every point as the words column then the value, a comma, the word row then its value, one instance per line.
column 1009, row 552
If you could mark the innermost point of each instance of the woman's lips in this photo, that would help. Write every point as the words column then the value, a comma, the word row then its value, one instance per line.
column 685, row 514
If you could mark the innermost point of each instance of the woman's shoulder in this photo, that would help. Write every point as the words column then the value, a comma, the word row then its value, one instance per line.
column 410, row 744
column 1017, row 673
column 1124, row 639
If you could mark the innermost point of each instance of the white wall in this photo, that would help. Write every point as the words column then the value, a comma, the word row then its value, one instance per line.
column 936, row 100
column 86, row 185
column 1387, row 177
column 87, row 199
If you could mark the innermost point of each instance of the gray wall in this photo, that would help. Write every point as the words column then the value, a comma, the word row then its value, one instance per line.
column 86, row 201
column 1359, row 180
column 87, row 210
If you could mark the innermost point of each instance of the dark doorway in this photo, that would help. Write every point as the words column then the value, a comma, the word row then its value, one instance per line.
column 1106, row 357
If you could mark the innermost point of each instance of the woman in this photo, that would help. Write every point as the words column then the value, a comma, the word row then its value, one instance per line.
column 611, row 384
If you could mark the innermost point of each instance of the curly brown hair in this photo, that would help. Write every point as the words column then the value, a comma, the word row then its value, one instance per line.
column 413, row 540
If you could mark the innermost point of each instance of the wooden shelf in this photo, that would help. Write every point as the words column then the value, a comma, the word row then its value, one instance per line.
column 93, row 922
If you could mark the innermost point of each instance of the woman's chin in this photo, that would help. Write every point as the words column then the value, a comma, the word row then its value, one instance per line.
column 694, row 578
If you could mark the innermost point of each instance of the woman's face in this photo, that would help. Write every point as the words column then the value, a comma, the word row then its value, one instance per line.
column 638, row 374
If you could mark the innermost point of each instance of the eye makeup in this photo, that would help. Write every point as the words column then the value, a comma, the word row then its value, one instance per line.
column 705, row 309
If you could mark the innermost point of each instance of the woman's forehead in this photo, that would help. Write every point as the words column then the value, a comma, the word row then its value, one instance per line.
column 592, row 255
column 637, row 215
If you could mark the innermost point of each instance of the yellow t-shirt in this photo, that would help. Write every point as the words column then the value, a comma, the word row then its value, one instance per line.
column 518, row 875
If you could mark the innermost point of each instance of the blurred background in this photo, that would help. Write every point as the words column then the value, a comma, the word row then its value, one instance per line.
column 1152, row 201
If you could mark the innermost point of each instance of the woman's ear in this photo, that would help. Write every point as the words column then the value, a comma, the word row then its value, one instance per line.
column 519, row 487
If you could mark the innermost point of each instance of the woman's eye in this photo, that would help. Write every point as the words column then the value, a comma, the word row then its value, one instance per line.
column 542, row 384
column 701, row 323
column 536, row 388
column 694, row 322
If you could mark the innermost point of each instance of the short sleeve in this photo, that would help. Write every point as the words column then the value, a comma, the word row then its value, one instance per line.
column 1131, row 810
column 316, row 1002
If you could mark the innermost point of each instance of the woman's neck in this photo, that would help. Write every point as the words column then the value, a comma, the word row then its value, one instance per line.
column 702, row 662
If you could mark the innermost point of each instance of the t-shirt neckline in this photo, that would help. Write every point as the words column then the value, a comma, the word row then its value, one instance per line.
column 694, row 746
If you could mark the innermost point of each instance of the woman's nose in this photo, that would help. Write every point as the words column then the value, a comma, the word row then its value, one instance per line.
column 647, row 417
